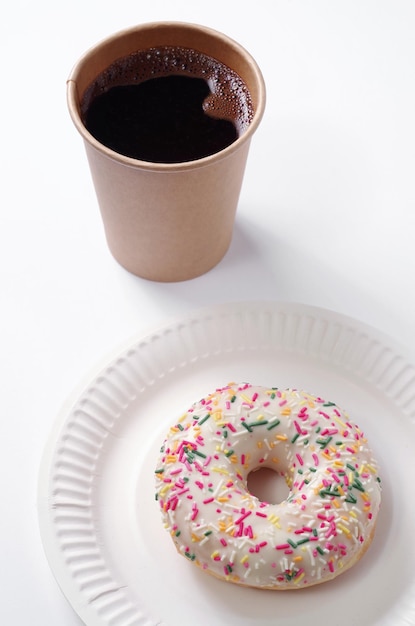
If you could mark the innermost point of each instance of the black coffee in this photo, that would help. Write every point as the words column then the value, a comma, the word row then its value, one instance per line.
column 167, row 105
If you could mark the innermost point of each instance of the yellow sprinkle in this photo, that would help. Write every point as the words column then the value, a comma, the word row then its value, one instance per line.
column 338, row 463
column 214, row 554
column 286, row 411
column 165, row 489
column 170, row 458
column 245, row 398
column 362, row 469
column 259, row 444
column 244, row 558
column 281, row 437
column 336, row 504
column 274, row 520
column 196, row 538
column 223, row 499
column 299, row 578
column 353, row 514
column 275, row 460
column 371, row 468
column 217, row 415
column 342, row 424
column 344, row 529
column 182, row 417
column 340, row 490
column 220, row 470
column 326, row 455
column 297, row 559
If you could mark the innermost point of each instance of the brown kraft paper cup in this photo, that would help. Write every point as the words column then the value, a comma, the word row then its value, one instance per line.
column 167, row 221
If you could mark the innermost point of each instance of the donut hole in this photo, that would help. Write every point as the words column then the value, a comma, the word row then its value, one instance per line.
column 267, row 485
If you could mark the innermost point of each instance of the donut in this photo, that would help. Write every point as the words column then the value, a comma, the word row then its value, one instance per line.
column 322, row 528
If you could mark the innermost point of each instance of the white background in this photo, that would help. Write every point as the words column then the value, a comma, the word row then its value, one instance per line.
column 326, row 215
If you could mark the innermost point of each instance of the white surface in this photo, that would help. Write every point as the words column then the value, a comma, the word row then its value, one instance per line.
column 101, row 527
column 326, row 215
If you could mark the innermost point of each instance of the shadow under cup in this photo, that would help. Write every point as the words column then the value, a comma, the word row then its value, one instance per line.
column 167, row 221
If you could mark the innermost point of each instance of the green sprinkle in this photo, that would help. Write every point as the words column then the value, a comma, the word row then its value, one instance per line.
column 179, row 426
column 351, row 467
column 324, row 442
column 329, row 404
column 229, row 453
column 178, row 533
column 259, row 423
column 320, row 550
column 318, row 429
column 315, row 533
column 203, row 420
column 160, row 471
column 272, row 396
column 208, row 532
column 273, row 424
column 190, row 556
column 247, row 426
column 233, row 398
column 292, row 543
column 350, row 498
column 305, row 540
column 199, row 454
column 358, row 485
column 312, row 469
column 294, row 439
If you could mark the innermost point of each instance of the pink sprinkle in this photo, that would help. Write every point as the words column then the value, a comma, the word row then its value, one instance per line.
column 244, row 516
column 176, row 471
column 260, row 514
column 249, row 532
column 282, row 403
column 231, row 427
column 228, row 405
column 223, row 542
column 267, row 403
column 300, row 459
column 297, row 427
column 282, row 546
column 199, row 484
column 324, row 415
column 208, row 500
column 195, row 512
column 254, row 397
column 242, row 459
column 331, row 566
column 315, row 458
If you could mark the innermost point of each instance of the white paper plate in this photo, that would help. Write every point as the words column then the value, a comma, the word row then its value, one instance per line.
column 100, row 524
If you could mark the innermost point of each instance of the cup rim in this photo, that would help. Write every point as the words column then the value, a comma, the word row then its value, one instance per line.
column 73, row 101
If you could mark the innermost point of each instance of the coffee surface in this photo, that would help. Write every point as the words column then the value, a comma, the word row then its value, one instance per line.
column 167, row 105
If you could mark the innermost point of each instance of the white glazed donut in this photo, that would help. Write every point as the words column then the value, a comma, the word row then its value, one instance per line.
column 321, row 529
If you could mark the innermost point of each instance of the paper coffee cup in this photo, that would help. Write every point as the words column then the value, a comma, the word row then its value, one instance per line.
column 167, row 221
